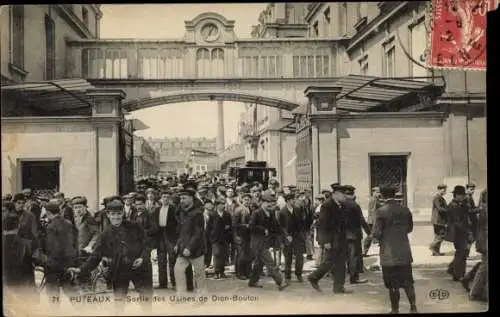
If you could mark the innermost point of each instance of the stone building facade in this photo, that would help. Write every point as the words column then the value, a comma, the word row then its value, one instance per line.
column 146, row 158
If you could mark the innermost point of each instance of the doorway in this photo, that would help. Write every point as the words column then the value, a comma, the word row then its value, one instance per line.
column 389, row 170
column 42, row 177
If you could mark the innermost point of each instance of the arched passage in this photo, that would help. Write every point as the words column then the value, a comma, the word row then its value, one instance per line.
column 180, row 97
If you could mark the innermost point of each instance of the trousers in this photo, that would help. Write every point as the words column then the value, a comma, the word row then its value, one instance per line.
column 198, row 273
column 458, row 265
column 142, row 277
column 263, row 258
column 166, row 256
column 439, row 233
column 334, row 259
column 243, row 259
column 220, row 251
column 353, row 260
column 291, row 251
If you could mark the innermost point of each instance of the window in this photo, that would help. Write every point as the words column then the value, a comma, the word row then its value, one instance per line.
column 203, row 62
column 50, row 52
column 418, row 39
column 17, row 24
column 85, row 17
column 363, row 65
column 217, row 62
column 315, row 29
column 389, row 60
column 40, row 176
column 311, row 66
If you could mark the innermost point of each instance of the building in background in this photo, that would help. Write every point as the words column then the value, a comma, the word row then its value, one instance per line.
column 182, row 155
column 146, row 158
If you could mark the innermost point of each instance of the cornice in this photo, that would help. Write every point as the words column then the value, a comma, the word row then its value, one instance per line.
column 70, row 17
column 428, row 115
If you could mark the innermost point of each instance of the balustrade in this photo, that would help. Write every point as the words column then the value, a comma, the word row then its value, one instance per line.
column 121, row 60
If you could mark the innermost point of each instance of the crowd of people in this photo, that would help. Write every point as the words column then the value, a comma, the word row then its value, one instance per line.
column 202, row 223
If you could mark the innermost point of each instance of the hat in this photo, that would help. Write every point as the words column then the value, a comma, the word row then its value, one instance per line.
column 114, row 205
column 27, row 191
column 388, row 192
column 106, row 200
column 53, row 206
column 150, row 190
column 246, row 194
column 336, row 187
column 18, row 196
column 59, row 195
column 43, row 197
column 269, row 196
column 348, row 189
column 441, row 186
column 188, row 192
column 459, row 190
column 470, row 185
column 289, row 196
column 326, row 191
column 375, row 189
column 140, row 197
column 79, row 200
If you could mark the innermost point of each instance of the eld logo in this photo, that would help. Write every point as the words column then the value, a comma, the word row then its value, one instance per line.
column 439, row 294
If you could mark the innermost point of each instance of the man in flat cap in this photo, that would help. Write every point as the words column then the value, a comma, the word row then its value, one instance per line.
column 86, row 225
column 373, row 204
column 127, row 245
column 241, row 236
column 57, row 251
column 439, row 219
column 294, row 226
column 165, row 225
column 190, row 242
column 219, row 235
column 459, row 232
column 355, row 224
column 129, row 207
column 66, row 210
column 332, row 236
column 151, row 203
column 392, row 225
column 263, row 225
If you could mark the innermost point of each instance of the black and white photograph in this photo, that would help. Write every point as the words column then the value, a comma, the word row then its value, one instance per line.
column 245, row 158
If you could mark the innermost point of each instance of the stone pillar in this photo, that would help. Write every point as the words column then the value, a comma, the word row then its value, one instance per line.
column 324, row 119
column 220, row 126
column 106, row 113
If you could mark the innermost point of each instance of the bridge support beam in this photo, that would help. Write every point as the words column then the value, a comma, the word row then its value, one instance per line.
column 325, row 150
column 220, row 127
column 107, row 105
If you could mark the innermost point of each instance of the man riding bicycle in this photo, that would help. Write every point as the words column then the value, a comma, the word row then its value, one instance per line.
column 56, row 251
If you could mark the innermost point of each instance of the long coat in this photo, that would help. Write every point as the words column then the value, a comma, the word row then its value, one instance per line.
column 355, row 222
column 294, row 224
column 168, row 233
column 392, row 226
column 87, row 231
column 332, row 224
column 145, row 221
column 482, row 234
column 458, row 222
column 219, row 228
column 241, row 218
column 439, row 211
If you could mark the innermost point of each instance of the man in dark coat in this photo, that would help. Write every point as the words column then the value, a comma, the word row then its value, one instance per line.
column 473, row 210
column 209, row 209
column 219, row 235
column 190, row 242
column 459, row 232
column 392, row 225
column 165, row 225
column 355, row 224
column 332, row 226
column 32, row 205
column 241, row 236
column 66, row 209
column 56, row 251
column 128, row 247
column 438, row 219
column 263, row 224
column 294, row 225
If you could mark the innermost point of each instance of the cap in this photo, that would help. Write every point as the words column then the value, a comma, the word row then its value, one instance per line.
column 470, row 185
column 188, row 192
column 348, row 189
column 220, row 201
column 268, row 196
column 140, row 197
column 459, row 190
column 150, row 190
column 43, row 197
column 114, row 205
column 336, row 187
column 26, row 191
column 53, row 206
column 289, row 196
column 442, row 186
column 59, row 195
column 375, row 189
column 79, row 200
column 18, row 196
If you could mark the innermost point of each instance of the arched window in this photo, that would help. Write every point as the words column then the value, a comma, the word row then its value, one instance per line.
column 203, row 62
column 217, row 62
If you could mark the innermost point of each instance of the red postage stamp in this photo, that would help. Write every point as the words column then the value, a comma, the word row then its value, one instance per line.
column 458, row 36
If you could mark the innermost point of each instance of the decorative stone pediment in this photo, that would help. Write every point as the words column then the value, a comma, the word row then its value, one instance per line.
column 209, row 28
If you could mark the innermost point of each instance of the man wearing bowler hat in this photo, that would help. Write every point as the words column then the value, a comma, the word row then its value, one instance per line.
column 459, row 232
column 332, row 225
column 263, row 224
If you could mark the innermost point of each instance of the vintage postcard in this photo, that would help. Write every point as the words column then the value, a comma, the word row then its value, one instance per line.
column 246, row 158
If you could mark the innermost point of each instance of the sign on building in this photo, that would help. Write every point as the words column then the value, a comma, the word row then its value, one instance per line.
column 458, row 36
